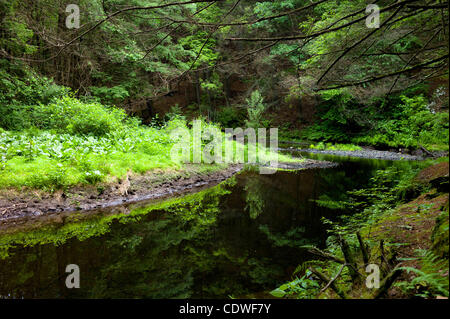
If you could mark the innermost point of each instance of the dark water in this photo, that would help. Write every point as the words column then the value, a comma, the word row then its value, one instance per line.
column 239, row 238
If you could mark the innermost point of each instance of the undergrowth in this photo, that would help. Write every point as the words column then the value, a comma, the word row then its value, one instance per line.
column 69, row 142
column 387, row 189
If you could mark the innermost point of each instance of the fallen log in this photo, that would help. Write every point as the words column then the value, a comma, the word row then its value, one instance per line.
column 425, row 150
column 323, row 254
column 363, row 248
column 352, row 268
column 329, row 282
column 387, row 283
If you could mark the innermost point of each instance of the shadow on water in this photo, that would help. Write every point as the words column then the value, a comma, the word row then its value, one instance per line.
column 233, row 239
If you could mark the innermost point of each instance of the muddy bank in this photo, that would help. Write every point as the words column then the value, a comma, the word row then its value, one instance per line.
column 16, row 204
column 156, row 184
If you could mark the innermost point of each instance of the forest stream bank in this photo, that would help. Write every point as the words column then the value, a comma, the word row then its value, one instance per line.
column 158, row 183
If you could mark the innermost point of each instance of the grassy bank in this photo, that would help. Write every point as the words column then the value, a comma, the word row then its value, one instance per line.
column 68, row 143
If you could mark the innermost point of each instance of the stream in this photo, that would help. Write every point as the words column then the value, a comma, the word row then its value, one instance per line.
column 241, row 238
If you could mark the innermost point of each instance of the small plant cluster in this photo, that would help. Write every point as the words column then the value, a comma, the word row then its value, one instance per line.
column 432, row 277
column 335, row 147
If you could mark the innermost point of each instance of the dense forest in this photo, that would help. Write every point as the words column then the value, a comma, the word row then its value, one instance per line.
column 91, row 92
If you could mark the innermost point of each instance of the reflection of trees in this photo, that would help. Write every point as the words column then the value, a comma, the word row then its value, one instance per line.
column 336, row 188
column 199, row 245
column 145, row 253
column 293, row 237
column 254, row 196
column 159, row 255
column 173, row 249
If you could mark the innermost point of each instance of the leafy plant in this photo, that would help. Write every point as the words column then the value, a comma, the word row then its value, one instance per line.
column 301, row 288
column 431, row 279
column 255, row 110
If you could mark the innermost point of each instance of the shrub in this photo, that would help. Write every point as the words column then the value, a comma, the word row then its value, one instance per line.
column 230, row 117
column 413, row 124
column 255, row 110
column 67, row 115
column 70, row 115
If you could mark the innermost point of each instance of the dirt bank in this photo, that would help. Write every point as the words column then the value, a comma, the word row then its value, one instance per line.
column 16, row 204
column 155, row 184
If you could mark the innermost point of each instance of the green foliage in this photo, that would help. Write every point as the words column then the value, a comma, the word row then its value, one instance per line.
column 302, row 288
column 290, row 51
column 294, row 237
column 255, row 110
column 411, row 125
column 212, row 85
column 432, row 278
column 71, row 115
column 401, row 122
column 175, row 113
column 337, row 118
column 16, row 33
column 230, row 117
column 268, row 8
column 21, row 85
column 69, row 142
column 49, row 160
column 66, row 114
column 335, row 147
column 110, row 95
column 439, row 237
column 196, row 45
column 386, row 189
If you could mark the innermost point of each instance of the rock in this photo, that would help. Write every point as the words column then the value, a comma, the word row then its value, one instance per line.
column 417, row 152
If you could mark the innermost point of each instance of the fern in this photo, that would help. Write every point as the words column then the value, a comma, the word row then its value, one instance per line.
column 431, row 279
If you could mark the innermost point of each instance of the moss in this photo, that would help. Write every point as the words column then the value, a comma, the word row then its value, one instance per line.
column 439, row 236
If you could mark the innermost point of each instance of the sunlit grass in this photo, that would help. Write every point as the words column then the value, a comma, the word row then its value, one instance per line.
column 49, row 160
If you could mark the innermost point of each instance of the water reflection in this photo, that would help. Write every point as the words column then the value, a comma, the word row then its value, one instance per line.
column 239, row 237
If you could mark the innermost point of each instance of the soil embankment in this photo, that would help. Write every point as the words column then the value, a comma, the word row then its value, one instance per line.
column 155, row 184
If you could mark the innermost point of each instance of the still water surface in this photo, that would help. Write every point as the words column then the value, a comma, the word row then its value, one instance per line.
column 240, row 238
